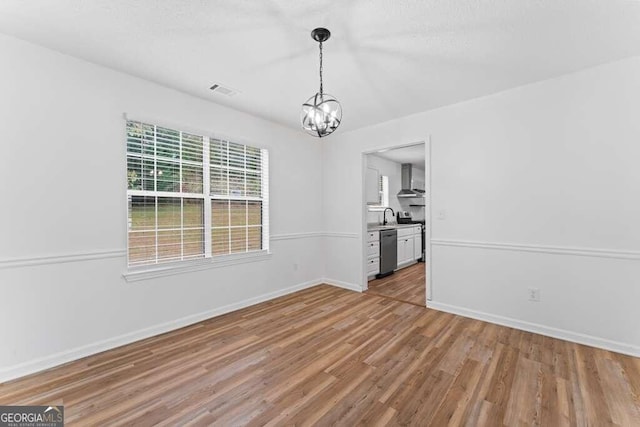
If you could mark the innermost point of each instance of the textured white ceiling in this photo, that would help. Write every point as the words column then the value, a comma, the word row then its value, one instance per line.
column 385, row 59
column 413, row 154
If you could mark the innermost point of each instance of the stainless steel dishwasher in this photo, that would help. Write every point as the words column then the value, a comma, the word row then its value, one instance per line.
column 388, row 252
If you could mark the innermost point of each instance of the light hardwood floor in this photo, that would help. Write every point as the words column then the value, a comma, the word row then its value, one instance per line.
column 407, row 284
column 328, row 356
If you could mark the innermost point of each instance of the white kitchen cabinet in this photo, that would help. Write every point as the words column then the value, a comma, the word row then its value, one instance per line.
column 373, row 249
column 405, row 249
column 402, row 244
column 373, row 267
column 405, row 231
column 409, row 250
column 373, row 254
column 417, row 243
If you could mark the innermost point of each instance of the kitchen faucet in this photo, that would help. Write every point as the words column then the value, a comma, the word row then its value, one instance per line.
column 384, row 215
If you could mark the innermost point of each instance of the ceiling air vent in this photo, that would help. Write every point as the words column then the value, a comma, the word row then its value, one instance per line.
column 223, row 90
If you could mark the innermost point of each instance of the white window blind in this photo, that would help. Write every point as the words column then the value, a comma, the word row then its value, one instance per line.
column 191, row 196
column 384, row 191
column 383, row 195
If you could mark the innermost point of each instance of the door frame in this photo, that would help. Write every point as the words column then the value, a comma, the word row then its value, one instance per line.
column 427, row 213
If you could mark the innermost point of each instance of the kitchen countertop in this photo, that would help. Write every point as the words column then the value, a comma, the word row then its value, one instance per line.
column 378, row 227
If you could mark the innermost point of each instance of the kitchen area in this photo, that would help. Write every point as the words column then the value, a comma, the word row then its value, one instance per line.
column 395, row 199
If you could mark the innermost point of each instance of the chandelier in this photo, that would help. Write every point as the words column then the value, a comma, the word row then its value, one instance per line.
column 322, row 113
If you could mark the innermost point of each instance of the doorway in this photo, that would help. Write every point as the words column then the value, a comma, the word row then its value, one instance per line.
column 396, row 201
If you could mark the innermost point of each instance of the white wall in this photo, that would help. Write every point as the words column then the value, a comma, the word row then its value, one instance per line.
column 552, row 167
column 393, row 170
column 63, row 173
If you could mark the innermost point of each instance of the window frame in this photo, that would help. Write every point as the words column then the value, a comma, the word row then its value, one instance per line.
column 383, row 190
column 208, row 259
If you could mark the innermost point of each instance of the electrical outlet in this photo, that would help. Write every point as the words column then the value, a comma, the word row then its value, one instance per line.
column 534, row 294
column 295, row 266
column 442, row 214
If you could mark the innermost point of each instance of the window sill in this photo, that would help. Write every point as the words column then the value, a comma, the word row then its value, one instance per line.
column 375, row 208
column 151, row 272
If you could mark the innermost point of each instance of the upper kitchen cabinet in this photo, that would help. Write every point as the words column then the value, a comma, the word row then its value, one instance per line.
column 372, row 186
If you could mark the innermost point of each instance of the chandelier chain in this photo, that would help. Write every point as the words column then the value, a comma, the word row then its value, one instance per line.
column 320, row 68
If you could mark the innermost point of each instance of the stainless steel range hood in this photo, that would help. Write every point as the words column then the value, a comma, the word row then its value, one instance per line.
column 406, row 180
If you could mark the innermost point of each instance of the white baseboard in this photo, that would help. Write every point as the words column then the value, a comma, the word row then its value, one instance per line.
column 40, row 364
column 343, row 285
column 618, row 347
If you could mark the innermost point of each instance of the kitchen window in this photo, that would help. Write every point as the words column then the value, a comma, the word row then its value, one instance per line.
column 191, row 196
column 383, row 195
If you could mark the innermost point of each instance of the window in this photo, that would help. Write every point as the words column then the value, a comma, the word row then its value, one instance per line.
column 193, row 197
column 236, row 197
column 383, row 195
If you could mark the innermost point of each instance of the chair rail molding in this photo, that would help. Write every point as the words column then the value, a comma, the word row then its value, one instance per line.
column 293, row 236
column 61, row 258
column 90, row 255
column 343, row 235
column 556, row 250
